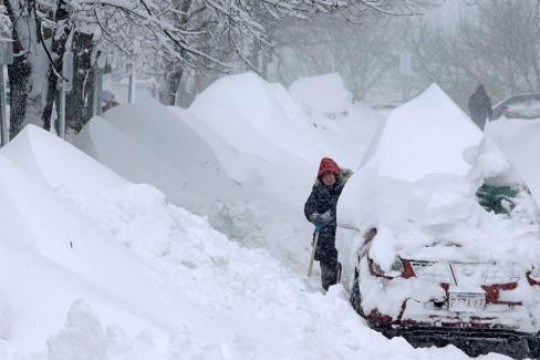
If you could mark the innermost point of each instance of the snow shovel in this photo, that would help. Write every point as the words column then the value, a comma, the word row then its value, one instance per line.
column 315, row 243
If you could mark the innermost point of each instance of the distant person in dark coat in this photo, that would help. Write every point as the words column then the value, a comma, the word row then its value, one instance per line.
column 320, row 209
column 480, row 107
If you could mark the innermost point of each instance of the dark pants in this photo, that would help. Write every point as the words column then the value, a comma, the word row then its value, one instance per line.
column 480, row 120
column 327, row 255
column 330, row 273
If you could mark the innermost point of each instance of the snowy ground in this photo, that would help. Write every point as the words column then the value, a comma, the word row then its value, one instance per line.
column 194, row 246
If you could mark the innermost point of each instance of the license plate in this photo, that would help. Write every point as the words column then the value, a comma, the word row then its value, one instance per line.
column 466, row 301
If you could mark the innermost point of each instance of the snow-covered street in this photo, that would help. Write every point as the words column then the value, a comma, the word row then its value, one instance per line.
column 181, row 241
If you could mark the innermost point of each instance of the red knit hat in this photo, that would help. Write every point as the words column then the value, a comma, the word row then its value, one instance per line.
column 328, row 165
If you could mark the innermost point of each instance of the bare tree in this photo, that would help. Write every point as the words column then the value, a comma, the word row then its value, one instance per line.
column 496, row 44
column 361, row 53
column 43, row 30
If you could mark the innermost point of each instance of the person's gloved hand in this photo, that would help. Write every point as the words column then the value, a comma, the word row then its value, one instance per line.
column 321, row 219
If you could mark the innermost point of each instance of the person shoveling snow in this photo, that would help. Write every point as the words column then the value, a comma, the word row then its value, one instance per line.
column 320, row 209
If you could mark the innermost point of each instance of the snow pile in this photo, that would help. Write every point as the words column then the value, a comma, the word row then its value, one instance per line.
column 157, row 149
column 55, row 254
column 419, row 185
column 322, row 95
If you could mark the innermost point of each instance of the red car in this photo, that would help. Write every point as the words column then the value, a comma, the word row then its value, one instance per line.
column 438, row 294
column 450, row 248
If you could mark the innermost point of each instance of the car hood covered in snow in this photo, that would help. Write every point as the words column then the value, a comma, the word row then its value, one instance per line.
column 437, row 190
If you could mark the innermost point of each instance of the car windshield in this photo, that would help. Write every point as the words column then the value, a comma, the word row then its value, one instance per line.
column 499, row 199
column 525, row 106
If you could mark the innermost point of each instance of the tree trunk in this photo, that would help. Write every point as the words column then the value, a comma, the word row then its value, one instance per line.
column 19, row 76
column 58, row 48
column 29, row 79
column 172, row 82
column 80, row 100
column 19, row 82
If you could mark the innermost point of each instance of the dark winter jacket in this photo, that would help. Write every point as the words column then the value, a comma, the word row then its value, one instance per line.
column 323, row 199
column 480, row 106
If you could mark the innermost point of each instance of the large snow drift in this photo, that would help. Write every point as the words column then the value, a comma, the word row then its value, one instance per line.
column 55, row 254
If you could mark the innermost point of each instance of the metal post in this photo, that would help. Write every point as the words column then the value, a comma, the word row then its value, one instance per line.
column 4, row 136
column 131, row 93
column 62, row 111
column 66, row 84
column 98, row 91
column 6, row 58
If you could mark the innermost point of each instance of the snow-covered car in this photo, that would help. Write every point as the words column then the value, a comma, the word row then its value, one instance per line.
column 521, row 106
column 449, row 252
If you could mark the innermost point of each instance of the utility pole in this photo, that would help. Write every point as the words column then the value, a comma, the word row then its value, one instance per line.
column 66, row 84
column 131, row 92
column 405, row 70
column 6, row 58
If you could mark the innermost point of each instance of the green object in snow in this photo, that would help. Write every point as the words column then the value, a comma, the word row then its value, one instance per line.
column 497, row 198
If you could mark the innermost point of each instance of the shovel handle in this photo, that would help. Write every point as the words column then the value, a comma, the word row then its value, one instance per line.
column 315, row 243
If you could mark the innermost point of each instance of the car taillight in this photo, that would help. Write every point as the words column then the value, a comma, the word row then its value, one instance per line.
column 493, row 293
column 397, row 269
column 533, row 277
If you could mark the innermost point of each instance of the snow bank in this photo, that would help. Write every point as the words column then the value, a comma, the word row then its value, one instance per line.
column 322, row 95
column 70, row 258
